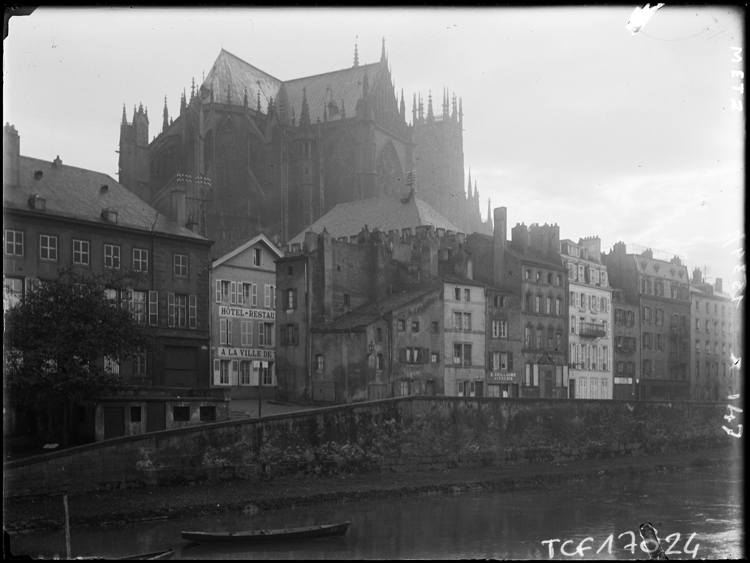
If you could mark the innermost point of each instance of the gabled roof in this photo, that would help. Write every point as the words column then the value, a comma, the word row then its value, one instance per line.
column 220, row 253
column 232, row 73
column 367, row 314
column 77, row 193
column 385, row 214
column 337, row 86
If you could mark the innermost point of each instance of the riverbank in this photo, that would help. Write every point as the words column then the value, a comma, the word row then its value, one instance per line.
column 137, row 505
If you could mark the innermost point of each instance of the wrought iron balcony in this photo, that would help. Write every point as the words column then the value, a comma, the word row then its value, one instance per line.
column 592, row 330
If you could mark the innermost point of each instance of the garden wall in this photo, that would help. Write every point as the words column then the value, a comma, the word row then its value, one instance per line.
column 403, row 434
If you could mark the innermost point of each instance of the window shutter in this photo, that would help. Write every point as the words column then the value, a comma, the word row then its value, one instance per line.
column 234, row 379
column 284, row 341
column 510, row 361
column 402, row 354
column 266, row 296
column 153, row 308
column 255, row 295
column 490, row 365
column 193, row 311
column 170, row 308
column 222, row 331
column 233, row 293
column 425, row 355
column 536, row 375
column 229, row 331
column 250, row 333
column 296, row 335
column 218, row 291
column 217, row 372
column 295, row 298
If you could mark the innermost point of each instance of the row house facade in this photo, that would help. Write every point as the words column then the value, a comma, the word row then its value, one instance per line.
column 712, row 331
column 57, row 216
column 380, row 315
column 530, row 267
column 243, row 317
column 590, row 328
column 504, row 338
column 661, row 289
column 626, row 335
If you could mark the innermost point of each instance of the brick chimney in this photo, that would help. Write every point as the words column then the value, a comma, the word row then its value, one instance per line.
column 499, row 239
column 718, row 285
column 11, row 156
column 697, row 277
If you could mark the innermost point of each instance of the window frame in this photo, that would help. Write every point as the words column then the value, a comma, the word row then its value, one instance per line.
column 138, row 263
column 113, row 260
column 48, row 249
column 178, row 266
column 81, row 252
column 14, row 243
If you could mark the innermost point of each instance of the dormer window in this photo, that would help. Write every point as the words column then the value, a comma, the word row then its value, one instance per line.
column 109, row 215
column 37, row 202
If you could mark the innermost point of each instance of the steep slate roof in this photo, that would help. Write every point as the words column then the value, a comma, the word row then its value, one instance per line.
column 224, row 250
column 387, row 214
column 366, row 314
column 338, row 85
column 76, row 193
column 232, row 72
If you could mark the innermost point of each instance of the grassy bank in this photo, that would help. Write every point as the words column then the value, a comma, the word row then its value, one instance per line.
column 91, row 509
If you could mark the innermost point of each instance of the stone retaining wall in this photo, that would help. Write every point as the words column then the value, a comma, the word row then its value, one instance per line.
column 403, row 434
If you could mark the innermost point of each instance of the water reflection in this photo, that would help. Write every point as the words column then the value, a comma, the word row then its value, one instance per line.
column 502, row 525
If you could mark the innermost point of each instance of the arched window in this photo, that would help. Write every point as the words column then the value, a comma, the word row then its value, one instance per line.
column 558, row 306
column 528, row 336
column 540, row 337
column 550, row 337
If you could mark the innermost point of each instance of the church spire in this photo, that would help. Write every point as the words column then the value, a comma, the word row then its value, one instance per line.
column 356, row 52
column 124, row 118
column 489, row 211
column 414, row 110
column 304, row 118
column 192, row 90
column 469, row 187
column 165, row 124
column 430, row 116
column 454, row 106
column 382, row 51
column 460, row 110
column 402, row 106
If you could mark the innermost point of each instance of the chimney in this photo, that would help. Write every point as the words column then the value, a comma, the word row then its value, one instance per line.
column 676, row 261
column 311, row 241
column 57, row 161
column 499, row 236
column 11, row 156
column 697, row 278
column 179, row 205
column 718, row 285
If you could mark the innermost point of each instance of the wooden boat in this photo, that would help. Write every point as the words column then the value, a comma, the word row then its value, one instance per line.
column 283, row 534
column 164, row 555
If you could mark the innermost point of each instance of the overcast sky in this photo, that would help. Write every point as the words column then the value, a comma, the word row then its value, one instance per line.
column 568, row 117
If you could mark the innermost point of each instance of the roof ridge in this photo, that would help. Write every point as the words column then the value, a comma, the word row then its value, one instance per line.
column 331, row 72
column 51, row 162
column 243, row 61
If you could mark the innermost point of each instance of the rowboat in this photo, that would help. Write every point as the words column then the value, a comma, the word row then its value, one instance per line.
column 164, row 555
column 283, row 534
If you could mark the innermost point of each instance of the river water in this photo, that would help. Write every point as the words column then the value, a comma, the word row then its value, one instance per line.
column 703, row 505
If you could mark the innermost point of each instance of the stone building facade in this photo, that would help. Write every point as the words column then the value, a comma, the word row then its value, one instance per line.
column 659, row 286
column 590, row 328
column 531, row 268
column 712, row 331
column 243, row 318
column 626, row 338
column 57, row 216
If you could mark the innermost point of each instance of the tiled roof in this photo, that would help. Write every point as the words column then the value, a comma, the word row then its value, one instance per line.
column 386, row 214
column 223, row 250
column 77, row 193
column 334, row 86
column 366, row 314
column 231, row 72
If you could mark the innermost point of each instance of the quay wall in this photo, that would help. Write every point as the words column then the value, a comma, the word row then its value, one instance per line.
column 403, row 434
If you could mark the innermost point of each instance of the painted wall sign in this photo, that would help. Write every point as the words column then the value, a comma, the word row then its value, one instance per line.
column 242, row 313
column 258, row 353
column 504, row 376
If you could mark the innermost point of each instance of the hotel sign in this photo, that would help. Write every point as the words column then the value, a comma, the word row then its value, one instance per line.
column 242, row 313
column 504, row 376
column 250, row 353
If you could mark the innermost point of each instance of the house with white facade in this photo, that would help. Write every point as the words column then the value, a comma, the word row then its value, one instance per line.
column 243, row 317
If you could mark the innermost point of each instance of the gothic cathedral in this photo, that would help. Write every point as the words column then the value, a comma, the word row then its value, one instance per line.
column 251, row 154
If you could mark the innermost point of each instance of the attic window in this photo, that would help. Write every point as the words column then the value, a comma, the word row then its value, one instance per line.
column 104, row 187
column 37, row 202
column 109, row 215
column 38, row 175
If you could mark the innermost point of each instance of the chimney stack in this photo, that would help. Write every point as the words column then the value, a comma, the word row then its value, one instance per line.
column 499, row 238
column 11, row 156
column 718, row 286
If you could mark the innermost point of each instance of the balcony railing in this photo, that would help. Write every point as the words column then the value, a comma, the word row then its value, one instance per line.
column 592, row 330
